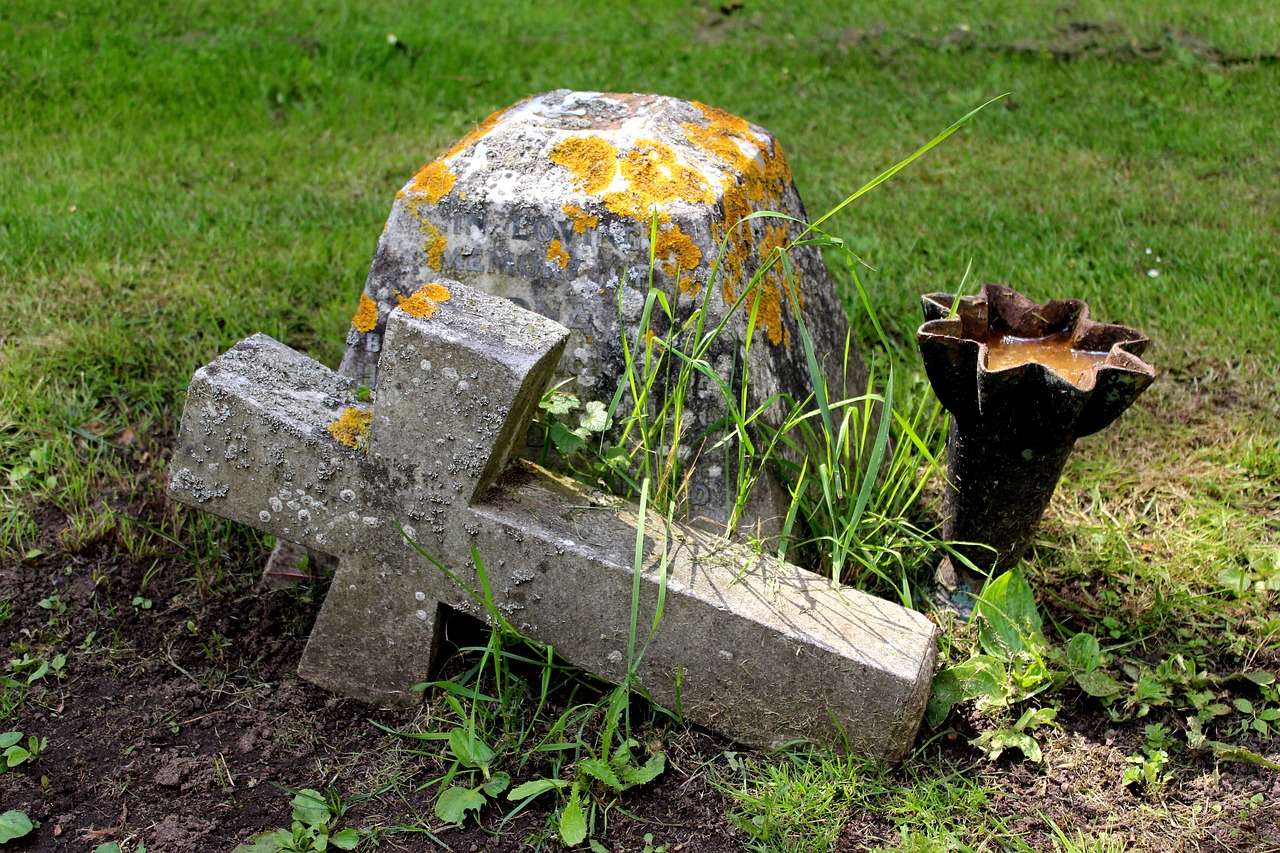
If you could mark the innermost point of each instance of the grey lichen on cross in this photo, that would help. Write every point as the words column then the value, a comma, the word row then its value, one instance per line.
column 275, row 440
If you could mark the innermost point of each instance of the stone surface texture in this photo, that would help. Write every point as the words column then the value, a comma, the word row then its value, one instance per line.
column 551, row 203
column 762, row 652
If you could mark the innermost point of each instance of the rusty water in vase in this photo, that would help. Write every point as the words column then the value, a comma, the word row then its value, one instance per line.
column 1053, row 351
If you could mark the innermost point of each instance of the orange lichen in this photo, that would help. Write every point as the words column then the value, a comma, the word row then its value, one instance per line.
column 352, row 429
column 730, row 122
column 657, row 177
column 435, row 292
column 366, row 318
column 770, row 292
column 433, row 182
column 581, row 219
column 434, row 245
column 592, row 161
column 754, row 176
column 676, row 250
column 557, row 254
column 422, row 303
column 764, row 174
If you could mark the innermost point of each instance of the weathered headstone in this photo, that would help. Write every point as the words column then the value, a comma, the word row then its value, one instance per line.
column 275, row 440
column 550, row 204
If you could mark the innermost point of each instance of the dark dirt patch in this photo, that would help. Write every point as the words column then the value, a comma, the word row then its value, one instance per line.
column 173, row 722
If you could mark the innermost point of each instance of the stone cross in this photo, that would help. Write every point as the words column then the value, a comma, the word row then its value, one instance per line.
column 761, row 652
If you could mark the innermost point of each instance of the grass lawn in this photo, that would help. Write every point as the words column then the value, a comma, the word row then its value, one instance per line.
column 175, row 177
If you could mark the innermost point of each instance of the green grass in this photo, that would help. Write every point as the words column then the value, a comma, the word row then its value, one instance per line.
column 175, row 177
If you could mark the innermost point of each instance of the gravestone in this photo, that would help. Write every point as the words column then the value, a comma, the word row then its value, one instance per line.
column 550, row 203
column 760, row 651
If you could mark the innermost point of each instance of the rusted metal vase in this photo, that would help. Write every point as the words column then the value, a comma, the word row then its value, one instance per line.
column 1022, row 382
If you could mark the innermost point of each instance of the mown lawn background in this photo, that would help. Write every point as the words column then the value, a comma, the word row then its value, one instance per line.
column 177, row 176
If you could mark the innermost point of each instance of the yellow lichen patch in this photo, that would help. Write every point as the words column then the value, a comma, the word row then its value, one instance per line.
column 764, row 175
column 434, row 245
column 657, row 177
column 730, row 122
column 772, row 287
column 592, row 161
column 755, row 176
column 366, row 318
column 736, row 208
column 352, row 429
column 738, row 250
column 435, row 292
column 581, row 219
column 676, row 249
column 780, row 167
column 715, row 140
column 557, row 254
column 626, row 204
column 422, row 303
column 433, row 182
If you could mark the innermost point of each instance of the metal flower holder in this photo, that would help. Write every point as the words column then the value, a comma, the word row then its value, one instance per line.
column 1022, row 382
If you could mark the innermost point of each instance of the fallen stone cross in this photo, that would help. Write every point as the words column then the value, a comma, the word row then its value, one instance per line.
column 761, row 652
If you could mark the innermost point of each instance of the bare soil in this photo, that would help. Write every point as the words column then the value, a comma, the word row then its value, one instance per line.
column 173, row 721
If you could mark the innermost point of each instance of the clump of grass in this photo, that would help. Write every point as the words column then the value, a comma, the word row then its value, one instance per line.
column 855, row 467
column 517, row 714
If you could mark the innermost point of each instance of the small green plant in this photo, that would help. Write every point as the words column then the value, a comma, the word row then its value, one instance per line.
column 1016, row 661
column 1085, row 659
column 14, row 824
column 615, row 771
column 114, row 847
column 472, row 753
column 1258, row 571
column 37, row 668
column 497, row 723
column 54, row 604
column 1258, row 718
column 314, row 818
column 13, row 753
column 1148, row 766
column 1019, row 736
column 556, row 405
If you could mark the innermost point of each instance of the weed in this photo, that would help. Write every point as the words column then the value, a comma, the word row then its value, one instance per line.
column 54, row 604
column 14, row 824
column 13, row 753
column 1149, row 766
column 1015, row 663
column 498, row 719
column 314, row 820
column 37, row 668
column 797, row 804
